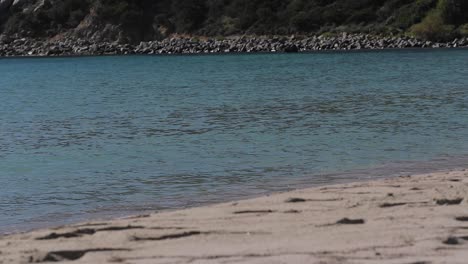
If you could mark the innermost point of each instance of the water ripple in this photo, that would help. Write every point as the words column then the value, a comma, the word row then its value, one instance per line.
column 82, row 137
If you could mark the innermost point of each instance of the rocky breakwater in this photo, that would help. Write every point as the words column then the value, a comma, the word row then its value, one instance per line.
column 183, row 45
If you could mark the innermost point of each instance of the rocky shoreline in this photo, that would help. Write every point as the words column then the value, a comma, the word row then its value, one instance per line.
column 14, row 47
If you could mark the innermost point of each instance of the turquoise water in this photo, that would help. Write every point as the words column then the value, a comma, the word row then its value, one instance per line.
column 102, row 136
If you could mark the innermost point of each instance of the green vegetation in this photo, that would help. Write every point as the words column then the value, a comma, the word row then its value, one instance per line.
column 463, row 30
column 440, row 23
column 433, row 27
column 149, row 19
column 49, row 19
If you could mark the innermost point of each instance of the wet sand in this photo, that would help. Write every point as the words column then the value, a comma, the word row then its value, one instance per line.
column 412, row 219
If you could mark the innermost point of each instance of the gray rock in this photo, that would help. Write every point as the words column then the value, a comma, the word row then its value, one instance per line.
column 5, row 5
column 14, row 46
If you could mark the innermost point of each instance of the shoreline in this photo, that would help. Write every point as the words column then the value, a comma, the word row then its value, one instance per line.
column 23, row 47
column 235, row 54
column 408, row 219
column 389, row 170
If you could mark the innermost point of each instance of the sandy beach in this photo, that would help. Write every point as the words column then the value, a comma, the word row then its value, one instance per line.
column 412, row 219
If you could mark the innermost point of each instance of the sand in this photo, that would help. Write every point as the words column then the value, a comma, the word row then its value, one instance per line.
column 414, row 219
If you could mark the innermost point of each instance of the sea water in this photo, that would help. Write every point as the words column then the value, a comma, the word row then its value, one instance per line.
column 92, row 137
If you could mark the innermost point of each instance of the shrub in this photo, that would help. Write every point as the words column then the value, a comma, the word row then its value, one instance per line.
column 433, row 28
column 463, row 30
column 305, row 22
column 412, row 13
column 148, row 19
column 188, row 14
column 454, row 11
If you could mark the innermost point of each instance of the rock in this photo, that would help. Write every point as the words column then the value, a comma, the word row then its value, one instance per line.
column 291, row 48
column 5, row 5
column 16, row 46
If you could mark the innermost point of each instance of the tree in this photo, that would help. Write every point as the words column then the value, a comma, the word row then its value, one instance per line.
column 188, row 14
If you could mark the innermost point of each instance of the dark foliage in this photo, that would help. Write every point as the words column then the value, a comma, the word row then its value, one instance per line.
column 149, row 19
column 49, row 19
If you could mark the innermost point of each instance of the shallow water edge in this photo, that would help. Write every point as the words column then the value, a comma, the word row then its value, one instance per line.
column 386, row 171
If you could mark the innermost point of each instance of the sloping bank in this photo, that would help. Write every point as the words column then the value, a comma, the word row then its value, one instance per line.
column 412, row 219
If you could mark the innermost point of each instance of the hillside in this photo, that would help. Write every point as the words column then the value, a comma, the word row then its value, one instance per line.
column 132, row 21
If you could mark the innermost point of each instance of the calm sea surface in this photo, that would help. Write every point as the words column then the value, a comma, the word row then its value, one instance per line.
column 91, row 137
